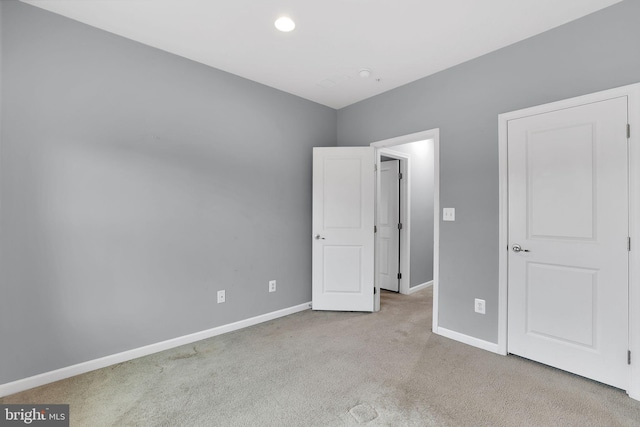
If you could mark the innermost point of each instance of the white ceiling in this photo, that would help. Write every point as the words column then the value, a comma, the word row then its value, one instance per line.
column 398, row 40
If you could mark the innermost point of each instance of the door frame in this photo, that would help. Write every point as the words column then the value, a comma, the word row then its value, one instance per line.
column 434, row 135
column 632, row 92
column 405, row 215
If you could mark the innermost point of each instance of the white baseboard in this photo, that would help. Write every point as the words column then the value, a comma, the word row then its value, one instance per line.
column 466, row 339
column 92, row 365
column 420, row 287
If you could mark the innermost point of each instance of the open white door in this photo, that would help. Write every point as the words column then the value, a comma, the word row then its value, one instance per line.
column 343, row 228
column 388, row 266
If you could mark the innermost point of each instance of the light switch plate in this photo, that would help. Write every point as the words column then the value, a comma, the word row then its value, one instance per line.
column 448, row 214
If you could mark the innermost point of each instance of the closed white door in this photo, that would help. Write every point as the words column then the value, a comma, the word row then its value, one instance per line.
column 343, row 233
column 388, row 235
column 568, row 240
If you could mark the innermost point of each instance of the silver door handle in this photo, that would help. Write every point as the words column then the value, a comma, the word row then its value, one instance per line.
column 518, row 248
column 318, row 237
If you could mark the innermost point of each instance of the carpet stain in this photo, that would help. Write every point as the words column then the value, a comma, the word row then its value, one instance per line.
column 363, row 413
column 185, row 355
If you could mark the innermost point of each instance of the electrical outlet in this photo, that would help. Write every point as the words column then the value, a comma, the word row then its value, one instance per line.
column 448, row 214
column 221, row 297
column 479, row 306
column 272, row 285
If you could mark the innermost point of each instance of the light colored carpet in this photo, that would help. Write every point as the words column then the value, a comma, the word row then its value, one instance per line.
column 336, row 369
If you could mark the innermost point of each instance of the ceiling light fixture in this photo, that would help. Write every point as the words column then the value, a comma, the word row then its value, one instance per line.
column 285, row 24
column 364, row 73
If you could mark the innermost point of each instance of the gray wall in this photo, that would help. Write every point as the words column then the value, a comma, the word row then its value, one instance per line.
column 421, row 176
column 136, row 184
column 595, row 53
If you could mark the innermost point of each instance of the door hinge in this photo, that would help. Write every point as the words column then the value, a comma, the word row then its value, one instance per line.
column 399, row 275
column 375, row 168
column 400, row 175
column 400, row 226
column 374, row 289
column 375, row 228
column 628, row 131
column 628, row 357
column 629, row 244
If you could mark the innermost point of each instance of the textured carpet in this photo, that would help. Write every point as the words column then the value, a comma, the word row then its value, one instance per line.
column 336, row 369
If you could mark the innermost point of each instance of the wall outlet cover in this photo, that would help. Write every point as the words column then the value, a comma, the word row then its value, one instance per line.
column 272, row 285
column 221, row 297
column 448, row 214
column 479, row 306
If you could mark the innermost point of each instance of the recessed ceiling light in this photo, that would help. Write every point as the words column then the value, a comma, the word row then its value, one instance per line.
column 364, row 73
column 285, row 24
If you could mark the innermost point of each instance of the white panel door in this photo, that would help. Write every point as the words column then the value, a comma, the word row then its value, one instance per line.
column 388, row 236
column 568, row 229
column 343, row 233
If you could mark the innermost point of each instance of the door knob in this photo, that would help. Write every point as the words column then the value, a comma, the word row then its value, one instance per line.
column 518, row 248
column 318, row 237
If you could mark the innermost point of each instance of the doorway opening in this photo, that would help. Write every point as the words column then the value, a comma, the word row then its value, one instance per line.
column 418, row 163
column 393, row 223
column 389, row 229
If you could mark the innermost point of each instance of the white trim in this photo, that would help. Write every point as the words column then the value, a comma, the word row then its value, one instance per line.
column 634, row 231
column 405, row 216
column 91, row 365
column 376, row 282
column 432, row 134
column 407, row 139
column 405, row 219
column 503, row 232
column 420, row 287
column 633, row 94
column 436, row 227
column 466, row 339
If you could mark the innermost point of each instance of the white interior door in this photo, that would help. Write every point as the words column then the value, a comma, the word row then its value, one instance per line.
column 343, row 233
column 568, row 234
column 388, row 236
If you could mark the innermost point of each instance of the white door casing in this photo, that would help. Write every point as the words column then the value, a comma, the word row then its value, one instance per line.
column 343, row 228
column 568, row 207
column 388, row 235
